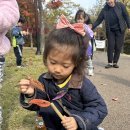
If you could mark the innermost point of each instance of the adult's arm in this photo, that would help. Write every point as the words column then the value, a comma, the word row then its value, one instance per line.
column 99, row 19
column 125, row 15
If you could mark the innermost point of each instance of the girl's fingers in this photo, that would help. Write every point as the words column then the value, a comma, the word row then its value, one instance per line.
column 66, row 122
column 25, row 87
column 68, row 127
column 69, row 123
column 27, row 91
column 67, row 119
column 24, row 82
column 23, row 90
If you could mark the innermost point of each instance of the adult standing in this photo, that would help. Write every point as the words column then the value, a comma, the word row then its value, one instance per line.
column 116, row 18
column 9, row 15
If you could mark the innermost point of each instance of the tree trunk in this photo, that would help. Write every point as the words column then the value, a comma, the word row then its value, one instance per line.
column 31, row 40
column 41, row 23
column 39, row 26
column 38, row 51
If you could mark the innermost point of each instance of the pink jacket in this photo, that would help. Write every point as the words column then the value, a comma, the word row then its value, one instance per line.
column 9, row 16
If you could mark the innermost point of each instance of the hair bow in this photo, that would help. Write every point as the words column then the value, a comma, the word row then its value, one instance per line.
column 64, row 23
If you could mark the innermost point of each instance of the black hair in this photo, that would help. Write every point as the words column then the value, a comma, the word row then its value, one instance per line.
column 82, row 13
column 21, row 19
column 69, row 37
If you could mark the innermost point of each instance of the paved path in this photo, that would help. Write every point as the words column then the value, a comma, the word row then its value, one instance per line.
column 114, row 83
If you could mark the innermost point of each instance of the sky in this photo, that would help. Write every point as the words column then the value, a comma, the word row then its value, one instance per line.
column 86, row 4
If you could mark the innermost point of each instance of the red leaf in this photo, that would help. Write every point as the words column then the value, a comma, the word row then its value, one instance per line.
column 40, row 102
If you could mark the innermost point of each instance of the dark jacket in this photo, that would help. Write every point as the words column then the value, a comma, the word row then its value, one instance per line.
column 121, row 13
column 82, row 100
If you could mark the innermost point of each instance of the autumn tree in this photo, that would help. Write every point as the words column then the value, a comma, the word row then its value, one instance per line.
column 51, row 15
column 40, row 19
column 127, row 4
column 95, row 10
column 27, row 10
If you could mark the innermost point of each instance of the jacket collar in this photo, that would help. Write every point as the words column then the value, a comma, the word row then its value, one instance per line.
column 75, row 81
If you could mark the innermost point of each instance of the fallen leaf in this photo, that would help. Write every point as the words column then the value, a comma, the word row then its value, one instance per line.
column 115, row 99
column 103, row 84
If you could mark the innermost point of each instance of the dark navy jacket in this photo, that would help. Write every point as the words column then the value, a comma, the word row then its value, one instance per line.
column 82, row 100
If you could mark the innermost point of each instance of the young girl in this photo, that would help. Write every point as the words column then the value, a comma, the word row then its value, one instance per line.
column 65, row 57
column 82, row 17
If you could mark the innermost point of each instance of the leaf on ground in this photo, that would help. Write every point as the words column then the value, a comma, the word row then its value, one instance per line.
column 115, row 99
column 103, row 84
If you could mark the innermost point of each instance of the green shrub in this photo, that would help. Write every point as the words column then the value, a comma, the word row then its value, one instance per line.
column 127, row 43
column 127, row 46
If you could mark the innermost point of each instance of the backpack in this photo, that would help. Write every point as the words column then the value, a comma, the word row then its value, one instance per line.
column 14, row 42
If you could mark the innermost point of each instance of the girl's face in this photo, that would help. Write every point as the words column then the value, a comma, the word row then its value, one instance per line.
column 20, row 24
column 111, row 2
column 59, row 62
column 81, row 19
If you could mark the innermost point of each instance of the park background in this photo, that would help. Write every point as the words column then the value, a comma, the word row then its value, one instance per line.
column 41, row 18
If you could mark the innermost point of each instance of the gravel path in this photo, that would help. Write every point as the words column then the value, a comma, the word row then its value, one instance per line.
column 114, row 83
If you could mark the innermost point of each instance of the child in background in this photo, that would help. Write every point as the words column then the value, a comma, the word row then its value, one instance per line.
column 9, row 15
column 2, row 64
column 18, row 41
column 65, row 58
column 82, row 17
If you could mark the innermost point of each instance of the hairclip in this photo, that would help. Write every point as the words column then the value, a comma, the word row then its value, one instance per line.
column 64, row 23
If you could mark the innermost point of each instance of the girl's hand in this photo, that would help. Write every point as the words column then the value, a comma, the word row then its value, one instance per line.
column 69, row 123
column 25, row 87
column 24, row 33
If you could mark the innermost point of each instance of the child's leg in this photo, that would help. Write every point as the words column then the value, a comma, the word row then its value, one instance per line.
column 2, row 64
column 18, row 55
column 93, row 46
column 89, row 61
column 90, row 66
column 92, row 43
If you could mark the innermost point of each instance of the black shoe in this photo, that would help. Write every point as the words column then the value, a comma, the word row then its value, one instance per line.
column 115, row 66
column 108, row 66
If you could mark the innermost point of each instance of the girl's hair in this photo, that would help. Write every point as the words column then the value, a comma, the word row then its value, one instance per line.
column 21, row 20
column 82, row 13
column 70, row 38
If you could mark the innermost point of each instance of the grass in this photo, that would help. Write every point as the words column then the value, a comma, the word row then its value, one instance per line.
column 15, row 117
